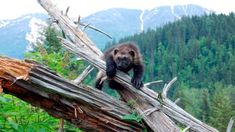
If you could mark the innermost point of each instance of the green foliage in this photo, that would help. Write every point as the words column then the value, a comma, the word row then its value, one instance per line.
column 52, row 43
column 55, row 57
column 221, row 109
column 62, row 63
column 133, row 117
column 111, row 92
column 199, row 50
column 131, row 103
column 17, row 115
column 195, row 101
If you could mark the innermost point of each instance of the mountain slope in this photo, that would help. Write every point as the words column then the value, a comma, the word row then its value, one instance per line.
column 199, row 50
column 12, row 33
column 116, row 22
column 165, row 14
column 122, row 22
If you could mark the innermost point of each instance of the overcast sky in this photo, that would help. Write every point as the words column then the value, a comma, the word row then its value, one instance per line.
column 10, row 9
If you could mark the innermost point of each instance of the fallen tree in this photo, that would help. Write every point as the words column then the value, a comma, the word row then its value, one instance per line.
column 86, row 107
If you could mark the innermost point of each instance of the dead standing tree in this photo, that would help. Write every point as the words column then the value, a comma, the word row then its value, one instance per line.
column 89, row 108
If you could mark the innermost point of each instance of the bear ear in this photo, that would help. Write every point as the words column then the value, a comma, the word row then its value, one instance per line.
column 115, row 51
column 132, row 53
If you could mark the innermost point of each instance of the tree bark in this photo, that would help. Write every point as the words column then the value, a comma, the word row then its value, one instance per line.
column 85, row 107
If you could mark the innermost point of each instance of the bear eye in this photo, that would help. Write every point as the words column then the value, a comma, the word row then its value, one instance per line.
column 115, row 51
column 132, row 53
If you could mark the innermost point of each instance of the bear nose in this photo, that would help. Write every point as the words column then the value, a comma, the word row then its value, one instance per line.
column 119, row 67
column 125, row 58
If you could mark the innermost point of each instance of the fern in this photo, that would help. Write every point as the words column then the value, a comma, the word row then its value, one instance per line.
column 133, row 117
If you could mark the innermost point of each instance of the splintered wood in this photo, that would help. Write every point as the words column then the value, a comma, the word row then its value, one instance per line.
column 14, row 69
column 85, row 107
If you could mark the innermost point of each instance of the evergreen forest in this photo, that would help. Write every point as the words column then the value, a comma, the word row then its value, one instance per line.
column 200, row 52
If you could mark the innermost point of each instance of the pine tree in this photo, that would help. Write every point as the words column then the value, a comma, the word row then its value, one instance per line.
column 52, row 54
column 221, row 109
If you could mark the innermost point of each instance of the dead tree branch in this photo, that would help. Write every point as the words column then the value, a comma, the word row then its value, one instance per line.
column 230, row 124
column 177, row 100
column 83, row 75
column 167, row 87
column 151, row 83
column 94, row 28
column 186, row 129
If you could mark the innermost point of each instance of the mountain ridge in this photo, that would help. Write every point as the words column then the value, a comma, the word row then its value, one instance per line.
column 118, row 22
column 131, row 24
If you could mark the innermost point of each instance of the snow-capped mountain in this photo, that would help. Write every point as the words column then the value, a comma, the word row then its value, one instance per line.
column 35, row 35
column 165, row 14
column 117, row 22
column 3, row 23
column 121, row 22
column 13, row 41
column 17, row 35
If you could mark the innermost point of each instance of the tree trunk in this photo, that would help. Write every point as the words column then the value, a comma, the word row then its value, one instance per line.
column 85, row 107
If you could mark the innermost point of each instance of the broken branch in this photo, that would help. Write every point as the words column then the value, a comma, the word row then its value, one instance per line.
column 167, row 87
column 83, row 75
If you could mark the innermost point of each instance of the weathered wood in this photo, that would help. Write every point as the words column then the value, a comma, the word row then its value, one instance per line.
column 85, row 107
column 162, row 122
column 177, row 100
column 145, row 99
column 177, row 113
column 83, row 75
column 94, row 28
column 167, row 87
column 151, row 83
column 186, row 129
column 230, row 124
